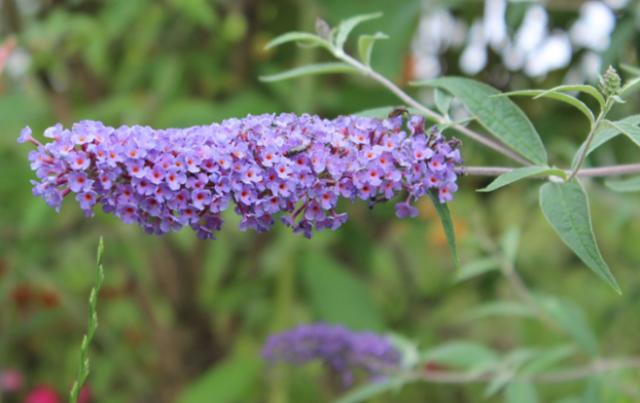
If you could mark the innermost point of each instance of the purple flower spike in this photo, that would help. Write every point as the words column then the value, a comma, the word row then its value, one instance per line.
column 342, row 350
column 295, row 167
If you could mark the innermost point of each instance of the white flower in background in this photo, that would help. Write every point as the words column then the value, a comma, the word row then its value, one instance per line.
column 594, row 27
column 437, row 32
column 554, row 53
column 536, row 48
column 495, row 25
column 474, row 56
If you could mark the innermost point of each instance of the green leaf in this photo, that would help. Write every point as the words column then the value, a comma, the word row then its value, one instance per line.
column 304, row 38
column 558, row 96
column 548, row 359
column 372, row 389
column 509, row 244
column 336, row 296
column 587, row 89
column 461, row 354
column 628, row 129
column 319, row 68
column 365, row 46
column 499, row 115
column 633, row 70
column 519, row 174
column 499, row 308
column 345, row 27
column 443, row 100
column 229, row 381
column 630, row 87
column 566, row 208
column 605, row 133
column 624, row 185
column 476, row 268
column 571, row 319
column 520, row 392
column 447, row 224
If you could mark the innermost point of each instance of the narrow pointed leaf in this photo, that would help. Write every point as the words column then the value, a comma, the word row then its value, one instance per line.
column 630, row 130
column 499, row 308
column 447, row 224
column 587, row 89
column 624, row 185
column 312, row 69
column 304, row 38
column 570, row 317
column 558, row 96
column 566, row 208
column 346, row 26
column 606, row 133
column 499, row 115
column 365, row 46
column 372, row 389
column 633, row 70
column 477, row 268
column 519, row 174
column 630, row 87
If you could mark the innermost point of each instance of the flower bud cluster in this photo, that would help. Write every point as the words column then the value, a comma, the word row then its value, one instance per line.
column 297, row 167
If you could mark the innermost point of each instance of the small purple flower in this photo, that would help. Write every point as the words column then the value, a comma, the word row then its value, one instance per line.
column 404, row 210
column 343, row 351
column 201, row 199
column 79, row 182
column 25, row 135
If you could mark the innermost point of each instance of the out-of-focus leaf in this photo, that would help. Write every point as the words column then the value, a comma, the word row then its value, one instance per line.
column 408, row 350
column 548, row 359
column 461, row 354
column 499, row 115
column 509, row 243
column 520, row 392
column 519, row 174
column 593, row 391
column 447, row 224
column 499, row 308
column 303, row 38
column 507, row 369
column 345, row 27
column 372, row 389
column 570, row 317
column 566, row 208
column 476, row 268
column 365, row 46
column 201, row 12
column 443, row 100
column 311, row 69
column 624, row 185
column 336, row 295
column 229, row 381
column 558, row 96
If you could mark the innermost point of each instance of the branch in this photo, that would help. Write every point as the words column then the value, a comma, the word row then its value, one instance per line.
column 565, row 375
column 480, row 138
column 611, row 170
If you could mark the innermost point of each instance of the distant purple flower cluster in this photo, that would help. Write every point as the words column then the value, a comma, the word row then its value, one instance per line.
column 341, row 349
column 267, row 164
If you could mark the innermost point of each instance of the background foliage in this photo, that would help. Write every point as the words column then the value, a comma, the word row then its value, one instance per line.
column 184, row 319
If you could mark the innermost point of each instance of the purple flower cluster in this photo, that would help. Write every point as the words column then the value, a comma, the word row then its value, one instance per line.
column 267, row 164
column 341, row 349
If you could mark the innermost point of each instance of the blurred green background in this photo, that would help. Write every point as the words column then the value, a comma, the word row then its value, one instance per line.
column 184, row 319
